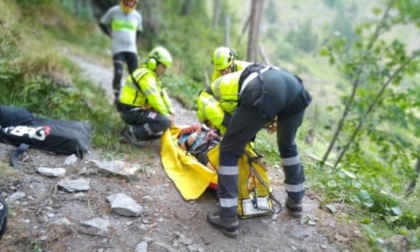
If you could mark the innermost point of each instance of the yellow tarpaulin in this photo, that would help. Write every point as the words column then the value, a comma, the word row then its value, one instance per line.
column 191, row 178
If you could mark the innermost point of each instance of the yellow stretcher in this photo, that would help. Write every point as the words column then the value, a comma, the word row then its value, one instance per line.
column 192, row 178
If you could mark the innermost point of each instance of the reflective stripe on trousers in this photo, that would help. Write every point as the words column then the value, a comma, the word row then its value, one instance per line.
column 228, row 184
column 294, row 175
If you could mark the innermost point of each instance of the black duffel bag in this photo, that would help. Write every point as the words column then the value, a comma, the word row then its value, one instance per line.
column 19, row 128
column 58, row 136
column 11, row 115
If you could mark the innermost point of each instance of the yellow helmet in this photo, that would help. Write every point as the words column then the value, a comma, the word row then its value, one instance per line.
column 159, row 55
column 128, row 5
column 223, row 58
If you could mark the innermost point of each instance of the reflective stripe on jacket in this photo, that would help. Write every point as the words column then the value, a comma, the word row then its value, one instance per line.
column 220, row 98
column 147, row 91
column 208, row 109
column 225, row 89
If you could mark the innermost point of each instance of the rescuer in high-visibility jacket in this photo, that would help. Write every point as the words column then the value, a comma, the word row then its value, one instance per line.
column 216, row 104
column 143, row 103
column 224, row 62
column 253, row 98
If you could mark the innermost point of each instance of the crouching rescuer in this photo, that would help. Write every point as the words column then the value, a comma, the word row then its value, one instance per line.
column 143, row 103
column 265, row 93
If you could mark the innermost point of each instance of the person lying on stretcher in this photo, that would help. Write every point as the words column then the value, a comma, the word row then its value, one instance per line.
column 198, row 140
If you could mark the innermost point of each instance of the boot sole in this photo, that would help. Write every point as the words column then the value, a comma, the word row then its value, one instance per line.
column 230, row 234
column 295, row 215
column 128, row 138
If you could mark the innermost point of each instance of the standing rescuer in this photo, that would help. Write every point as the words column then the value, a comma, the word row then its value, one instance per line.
column 224, row 62
column 264, row 93
column 144, row 104
column 124, row 25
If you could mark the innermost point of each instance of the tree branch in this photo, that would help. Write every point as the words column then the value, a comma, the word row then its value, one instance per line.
column 356, row 82
column 372, row 105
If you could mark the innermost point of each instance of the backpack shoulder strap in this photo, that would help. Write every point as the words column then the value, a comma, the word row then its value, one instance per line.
column 143, row 73
column 17, row 153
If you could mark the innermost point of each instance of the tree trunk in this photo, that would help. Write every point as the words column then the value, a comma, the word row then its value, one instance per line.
column 264, row 55
column 227, row 30
column 413, row 183
column 244, row 28
column 186, row 8
column 216, row 13
column 99, row 7
column 255, row 20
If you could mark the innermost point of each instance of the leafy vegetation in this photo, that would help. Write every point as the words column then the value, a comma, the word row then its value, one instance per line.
column 372, row 83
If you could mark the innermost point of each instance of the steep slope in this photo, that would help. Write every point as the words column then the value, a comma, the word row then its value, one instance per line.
column 44, row 216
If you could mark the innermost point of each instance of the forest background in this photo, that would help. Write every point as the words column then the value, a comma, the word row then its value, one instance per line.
column 360, row 60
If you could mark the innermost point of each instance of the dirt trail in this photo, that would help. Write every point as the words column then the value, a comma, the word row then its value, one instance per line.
column 168, row 223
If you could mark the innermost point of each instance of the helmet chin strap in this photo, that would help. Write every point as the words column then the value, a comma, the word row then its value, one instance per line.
column 232, row 67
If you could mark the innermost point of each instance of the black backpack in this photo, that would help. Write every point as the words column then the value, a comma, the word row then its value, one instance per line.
column 10, row 116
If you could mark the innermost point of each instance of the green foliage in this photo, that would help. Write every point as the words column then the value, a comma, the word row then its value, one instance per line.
column 379, row 125
column 341, row 26
column 65, row 19
column 266, row 145
column 372, row 66
column 36, row 246
column 33, row 76
column 283, row 50
column 410, row 9
column 378, row 162
column 304, row 38
column 79, row 8
column 363, row 190
column 183, row 89
column 332, row 3
column 179, row 33
column 270, row 13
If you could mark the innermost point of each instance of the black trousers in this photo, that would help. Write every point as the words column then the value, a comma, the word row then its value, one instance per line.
column 118, row 60
column 249, row 118
column 147, row 124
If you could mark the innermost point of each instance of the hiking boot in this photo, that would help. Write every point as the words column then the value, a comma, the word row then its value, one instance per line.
column 131, row 138
column 294, row 209
column 229, row 226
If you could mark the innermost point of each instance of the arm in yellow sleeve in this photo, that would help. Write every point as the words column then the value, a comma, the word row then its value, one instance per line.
column 150, row 86
column 208, row 109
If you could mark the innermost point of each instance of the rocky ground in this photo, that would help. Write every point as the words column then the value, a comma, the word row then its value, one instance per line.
column 131, row 205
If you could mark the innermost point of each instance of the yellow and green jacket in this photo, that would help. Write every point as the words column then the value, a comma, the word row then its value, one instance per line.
column 124, row 28
column 237, row 66
column 217, row 102
column 145, row 91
